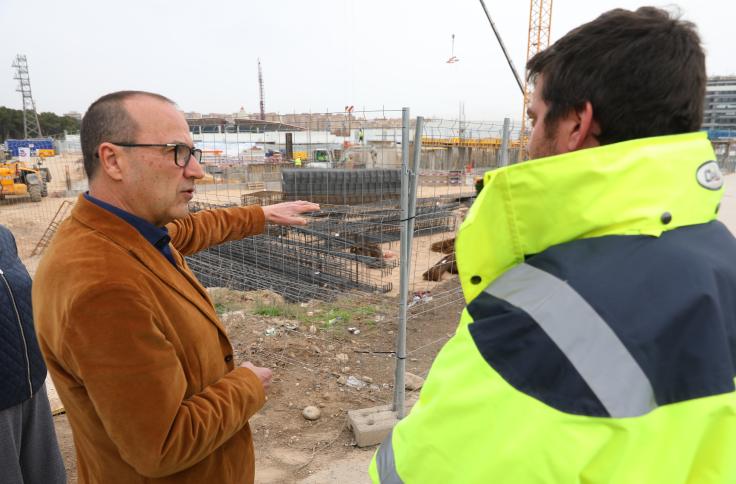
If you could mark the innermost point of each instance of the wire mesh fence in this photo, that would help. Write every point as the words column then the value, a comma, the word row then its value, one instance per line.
column 319, row 304
column 31, row 218
column 325, row 297
column 725, row 151
column 350, row 165
column 348, row 256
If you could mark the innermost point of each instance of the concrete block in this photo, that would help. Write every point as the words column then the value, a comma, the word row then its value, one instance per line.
column 372, row 425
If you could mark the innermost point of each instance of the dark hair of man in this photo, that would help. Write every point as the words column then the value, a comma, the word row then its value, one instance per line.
column 643, row 72
column 107, row 120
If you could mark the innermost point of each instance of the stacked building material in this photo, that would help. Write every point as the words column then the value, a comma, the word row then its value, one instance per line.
column 342, row 249
column 341, row 186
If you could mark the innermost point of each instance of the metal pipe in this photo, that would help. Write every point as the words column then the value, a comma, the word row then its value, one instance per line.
column 399, row 392
column 414, row 178
column 505, row 141
column 409, row 221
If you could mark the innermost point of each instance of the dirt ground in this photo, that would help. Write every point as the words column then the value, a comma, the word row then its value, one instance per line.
column 312, row 349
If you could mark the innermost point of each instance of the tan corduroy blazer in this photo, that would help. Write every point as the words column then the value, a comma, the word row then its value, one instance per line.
column 138, row 355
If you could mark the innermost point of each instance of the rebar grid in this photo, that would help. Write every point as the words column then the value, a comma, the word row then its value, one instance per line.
column 342, row 249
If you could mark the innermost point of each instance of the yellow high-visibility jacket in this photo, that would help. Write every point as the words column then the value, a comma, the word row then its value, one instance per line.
column 598, row 344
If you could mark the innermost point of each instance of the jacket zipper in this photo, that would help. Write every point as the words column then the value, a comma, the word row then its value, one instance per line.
column 22, row 333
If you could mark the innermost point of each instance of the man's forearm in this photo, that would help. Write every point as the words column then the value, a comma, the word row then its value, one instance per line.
column 207, row 228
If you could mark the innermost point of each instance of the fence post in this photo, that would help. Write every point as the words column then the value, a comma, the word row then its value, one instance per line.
column 505, row 141
column 414, row 180
column 68, row 180
column 409, row 180
column 403, row 268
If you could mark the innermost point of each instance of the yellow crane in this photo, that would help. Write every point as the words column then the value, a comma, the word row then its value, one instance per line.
column 540, row 26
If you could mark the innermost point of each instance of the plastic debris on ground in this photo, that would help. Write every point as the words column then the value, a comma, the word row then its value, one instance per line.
column 420, row 297
column 355, row 382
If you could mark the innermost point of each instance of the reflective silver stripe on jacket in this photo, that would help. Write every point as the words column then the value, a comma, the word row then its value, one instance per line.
column 386, row 464
column 583, row 336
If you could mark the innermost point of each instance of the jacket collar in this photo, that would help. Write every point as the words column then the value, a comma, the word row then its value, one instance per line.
column 123, row 234
column 156, row 236
column 629, row 188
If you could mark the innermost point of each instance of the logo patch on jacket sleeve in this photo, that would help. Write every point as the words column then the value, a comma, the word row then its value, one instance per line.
column 709, row 176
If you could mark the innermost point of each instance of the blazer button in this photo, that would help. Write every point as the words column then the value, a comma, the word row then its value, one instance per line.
column 228, row 358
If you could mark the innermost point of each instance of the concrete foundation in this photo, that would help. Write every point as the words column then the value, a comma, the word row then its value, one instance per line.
column 372, row 425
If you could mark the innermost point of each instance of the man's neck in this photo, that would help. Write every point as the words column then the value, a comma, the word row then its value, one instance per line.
column 112, row 197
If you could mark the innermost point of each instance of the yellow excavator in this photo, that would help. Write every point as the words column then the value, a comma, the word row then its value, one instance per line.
column 16, row 178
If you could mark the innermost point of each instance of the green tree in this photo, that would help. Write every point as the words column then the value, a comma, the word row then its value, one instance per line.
column 11, row 124
column 53, row 125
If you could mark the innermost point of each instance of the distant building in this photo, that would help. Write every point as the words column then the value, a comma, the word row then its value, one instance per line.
column 74, row 114
column 719, row 116
column 210, row 124
column 242, row 114
column 339, row 124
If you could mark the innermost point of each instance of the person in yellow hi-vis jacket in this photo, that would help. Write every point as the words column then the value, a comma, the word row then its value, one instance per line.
column 598, row 343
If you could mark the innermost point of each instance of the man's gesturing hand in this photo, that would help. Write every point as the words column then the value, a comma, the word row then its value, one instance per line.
column 263, row 374
column 287, row 213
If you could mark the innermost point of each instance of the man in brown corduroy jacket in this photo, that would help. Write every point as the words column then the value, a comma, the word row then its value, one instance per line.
column 132, row 340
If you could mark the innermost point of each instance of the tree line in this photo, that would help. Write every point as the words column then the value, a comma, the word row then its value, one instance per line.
column 11, row 124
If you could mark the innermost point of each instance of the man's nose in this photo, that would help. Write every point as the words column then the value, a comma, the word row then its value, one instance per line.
column 193, row 169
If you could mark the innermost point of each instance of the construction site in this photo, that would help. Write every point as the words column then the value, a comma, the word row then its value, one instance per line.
column 320, row 303
column 326, row 305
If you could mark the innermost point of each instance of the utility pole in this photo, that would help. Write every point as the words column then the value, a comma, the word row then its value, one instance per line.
column 260, row 89
column 31, row 125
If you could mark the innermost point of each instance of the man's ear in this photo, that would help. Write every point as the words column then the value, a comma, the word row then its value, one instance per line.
column 109, row 156
column 583, row 129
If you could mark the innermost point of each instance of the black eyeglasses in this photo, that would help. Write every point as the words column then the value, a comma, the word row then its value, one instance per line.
column 182, row 153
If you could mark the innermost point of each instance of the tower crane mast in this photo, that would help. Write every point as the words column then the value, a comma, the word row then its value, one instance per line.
column 540, row 26
column 262, row 101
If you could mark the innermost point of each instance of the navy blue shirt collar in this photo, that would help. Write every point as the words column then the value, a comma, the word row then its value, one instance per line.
column 156, row 236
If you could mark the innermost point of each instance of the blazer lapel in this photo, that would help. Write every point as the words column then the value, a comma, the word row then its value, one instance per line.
column 120, row 232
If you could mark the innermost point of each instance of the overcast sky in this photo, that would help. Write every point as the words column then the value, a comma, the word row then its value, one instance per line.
column 316, row 55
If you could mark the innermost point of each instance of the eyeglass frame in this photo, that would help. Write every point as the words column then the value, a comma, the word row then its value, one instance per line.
column 167, row 145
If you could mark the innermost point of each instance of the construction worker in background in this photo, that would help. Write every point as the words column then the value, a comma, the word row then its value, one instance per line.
column 599, row 337
column 298, row 162
column 478, row 184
